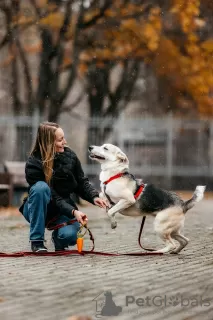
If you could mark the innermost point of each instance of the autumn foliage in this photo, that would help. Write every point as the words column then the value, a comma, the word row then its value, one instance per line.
column 167, row 36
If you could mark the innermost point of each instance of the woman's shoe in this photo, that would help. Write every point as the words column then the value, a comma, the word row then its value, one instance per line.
column 38, row 247
column 57, row 243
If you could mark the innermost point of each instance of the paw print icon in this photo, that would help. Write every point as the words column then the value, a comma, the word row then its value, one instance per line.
column 174, row 300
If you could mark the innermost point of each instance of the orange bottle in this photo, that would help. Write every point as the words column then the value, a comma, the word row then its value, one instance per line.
column 80, row 243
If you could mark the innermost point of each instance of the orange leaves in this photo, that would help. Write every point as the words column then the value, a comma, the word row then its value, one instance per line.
column 205, row 104
column 187, row 73
column 152, row 29
column 169, row 41
column 192, row 49
column 90, row 15
column 22, row 20
column 208, row 46
column 130, row 24
column 42, row 3
column 151, row 36
column 168, row 60
column 53, row 20
column 135, row 34
column 82, row 69
column 130, row 9
column 195, row 65
column 186, row 12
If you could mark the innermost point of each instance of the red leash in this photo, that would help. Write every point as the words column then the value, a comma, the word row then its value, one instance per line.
column 139, row 236
column 75, row 252
column 51, row 226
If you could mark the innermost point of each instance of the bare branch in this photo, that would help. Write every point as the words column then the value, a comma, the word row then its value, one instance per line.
column 115, row 97
column 4, row 41
column 123, row 103
column 58, row 50
column 40, row 15
column 133, row 77
column 69, row 108
column 7, row 12
column 12, row 34
column 39, row 12
column 124, row 89
column 28, row 80
column 76, row 52
column 15, row 87
column 93, row 21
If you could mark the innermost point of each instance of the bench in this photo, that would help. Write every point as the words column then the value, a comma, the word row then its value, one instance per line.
column 6, row 189
column 16, row 170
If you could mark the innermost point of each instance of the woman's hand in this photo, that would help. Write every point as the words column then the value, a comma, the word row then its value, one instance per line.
column 80, row 217
column 100, row 203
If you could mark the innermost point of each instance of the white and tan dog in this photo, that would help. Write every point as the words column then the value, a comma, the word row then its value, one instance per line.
column 129, row 196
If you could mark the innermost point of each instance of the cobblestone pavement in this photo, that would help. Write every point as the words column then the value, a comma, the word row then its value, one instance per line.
column 173, row 287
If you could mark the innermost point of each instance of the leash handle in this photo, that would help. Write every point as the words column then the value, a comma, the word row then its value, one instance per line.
column 80, row 236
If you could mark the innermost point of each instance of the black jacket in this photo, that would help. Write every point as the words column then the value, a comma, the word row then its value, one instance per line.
column 68, row 177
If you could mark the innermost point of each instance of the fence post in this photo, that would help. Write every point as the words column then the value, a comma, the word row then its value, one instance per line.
column 120, row 132
column 35, row 123
column 169, row 149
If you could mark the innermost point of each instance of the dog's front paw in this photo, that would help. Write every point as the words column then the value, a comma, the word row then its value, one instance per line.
column 114, row 224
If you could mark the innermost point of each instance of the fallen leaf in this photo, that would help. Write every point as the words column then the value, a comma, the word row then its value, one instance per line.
column 17, row 226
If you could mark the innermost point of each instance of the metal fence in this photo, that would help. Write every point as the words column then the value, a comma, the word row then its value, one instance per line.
column 16, row 136
column 176, row 153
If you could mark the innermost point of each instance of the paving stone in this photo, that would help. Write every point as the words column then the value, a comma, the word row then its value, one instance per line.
column 52, row 288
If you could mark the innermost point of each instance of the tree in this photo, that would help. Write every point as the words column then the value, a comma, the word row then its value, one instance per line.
column 90, row 38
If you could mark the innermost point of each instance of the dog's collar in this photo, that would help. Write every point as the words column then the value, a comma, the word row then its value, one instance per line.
column 118, row 175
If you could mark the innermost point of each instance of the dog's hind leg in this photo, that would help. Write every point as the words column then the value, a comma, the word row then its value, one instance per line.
column 183, row 241
column 170, row 245
column 167, row 224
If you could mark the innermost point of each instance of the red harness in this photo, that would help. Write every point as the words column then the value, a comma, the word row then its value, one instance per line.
column 119, row 175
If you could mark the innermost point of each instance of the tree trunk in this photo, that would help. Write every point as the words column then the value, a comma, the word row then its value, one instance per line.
column 54, row 111
column 97, row 90
column 45, row 72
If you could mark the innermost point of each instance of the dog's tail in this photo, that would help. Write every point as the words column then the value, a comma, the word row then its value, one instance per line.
column 197, row 196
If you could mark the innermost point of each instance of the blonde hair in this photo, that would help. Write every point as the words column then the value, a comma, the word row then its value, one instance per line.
column 45, row 144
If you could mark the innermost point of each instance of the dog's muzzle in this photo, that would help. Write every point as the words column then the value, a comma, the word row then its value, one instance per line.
column 92, row 155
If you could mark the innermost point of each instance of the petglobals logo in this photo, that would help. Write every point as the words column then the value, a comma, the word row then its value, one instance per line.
column 166, row 301
column 107, row 305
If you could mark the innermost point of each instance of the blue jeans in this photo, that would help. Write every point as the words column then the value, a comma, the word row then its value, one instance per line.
column 35, row 212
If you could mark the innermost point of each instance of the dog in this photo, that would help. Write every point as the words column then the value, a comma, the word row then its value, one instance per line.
column 131, row 197
column 110, row 308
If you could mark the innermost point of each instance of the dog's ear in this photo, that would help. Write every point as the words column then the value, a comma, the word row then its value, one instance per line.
column 122, row 157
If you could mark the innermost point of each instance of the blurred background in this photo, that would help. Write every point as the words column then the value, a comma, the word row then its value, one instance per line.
column 138, row 74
